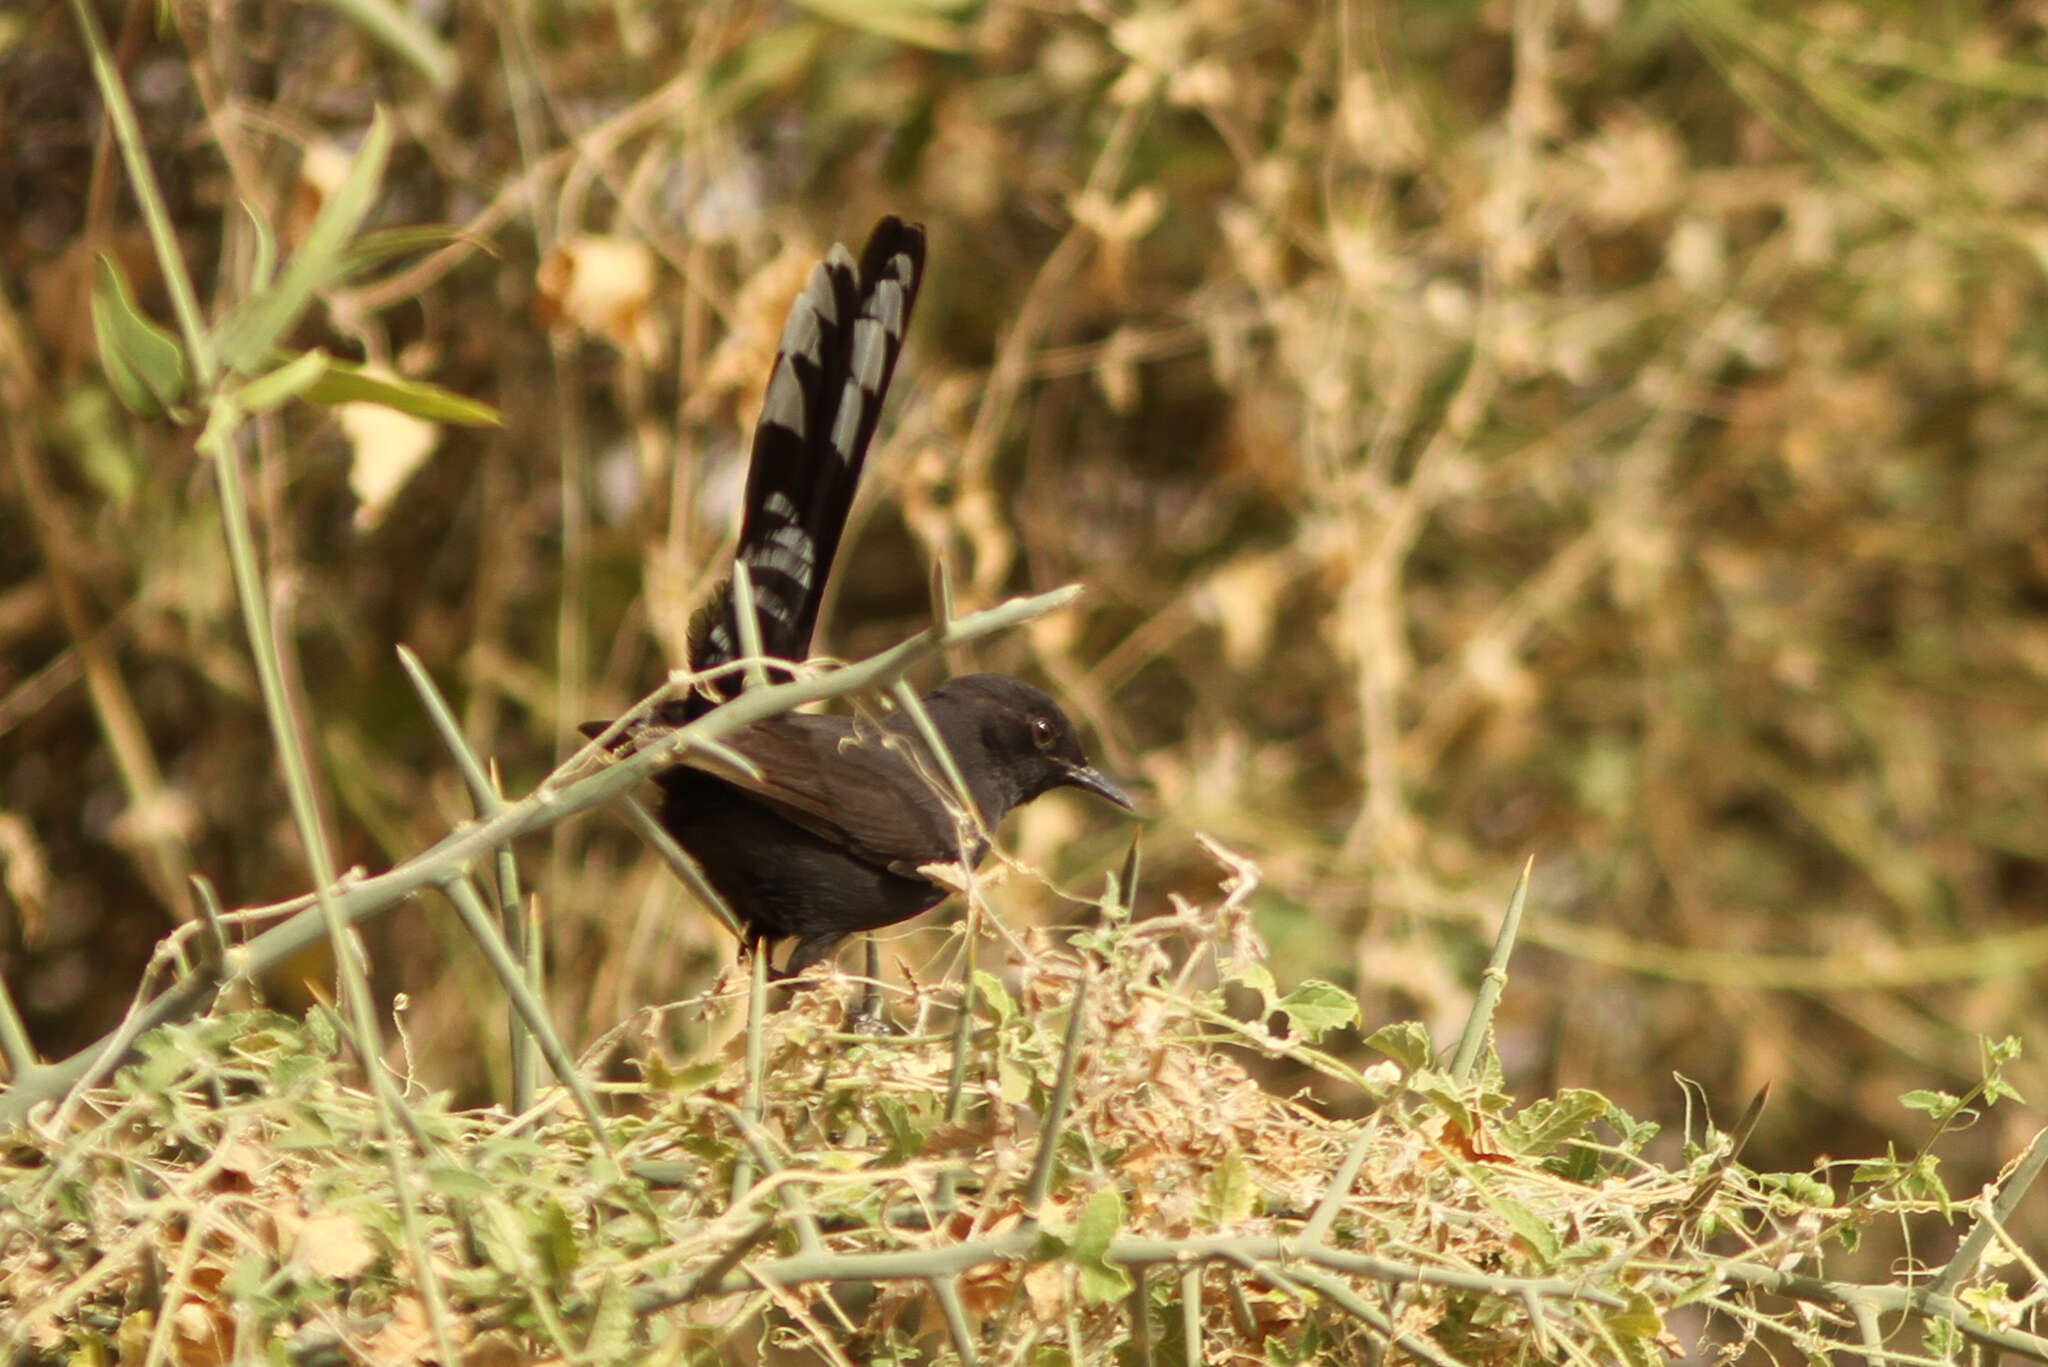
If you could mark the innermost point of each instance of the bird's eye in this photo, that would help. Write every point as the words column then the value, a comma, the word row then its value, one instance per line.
column 1041, row 731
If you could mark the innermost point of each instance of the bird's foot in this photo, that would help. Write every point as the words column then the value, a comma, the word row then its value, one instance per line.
column 866, row 1017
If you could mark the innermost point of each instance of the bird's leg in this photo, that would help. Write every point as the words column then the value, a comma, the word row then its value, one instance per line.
column 866, row 1017
column 778, row 977
column 813, row 948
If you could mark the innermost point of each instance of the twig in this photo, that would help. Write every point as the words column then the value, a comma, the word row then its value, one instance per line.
column 808, row 1239
column 757, row 1024
column 1056, row 1107
column 488, row 801
column 1191, row 1316
column 1017, row 1244
column 14, row 1045
column 1889, row 1300
column 681, row 865
column 1492, row 982
column 511, row 976
column 946, row 1291
column 1325, row 1214
column 2024, row 1174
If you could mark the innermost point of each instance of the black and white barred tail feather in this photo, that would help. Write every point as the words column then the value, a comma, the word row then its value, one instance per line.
column 838, row 352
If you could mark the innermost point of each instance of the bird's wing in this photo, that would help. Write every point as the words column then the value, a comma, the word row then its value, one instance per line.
column 859, row 788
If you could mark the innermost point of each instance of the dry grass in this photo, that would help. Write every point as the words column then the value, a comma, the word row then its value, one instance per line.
column 1106, row 1180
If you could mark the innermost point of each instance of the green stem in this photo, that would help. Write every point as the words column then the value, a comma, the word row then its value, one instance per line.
column 156, row 219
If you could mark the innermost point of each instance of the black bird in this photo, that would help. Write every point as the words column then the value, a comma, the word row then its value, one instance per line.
column 829, row 834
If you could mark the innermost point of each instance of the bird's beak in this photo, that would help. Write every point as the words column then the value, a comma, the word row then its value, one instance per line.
column 1095, row 781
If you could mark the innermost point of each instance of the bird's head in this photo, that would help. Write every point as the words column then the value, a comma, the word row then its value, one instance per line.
column 1014, row 743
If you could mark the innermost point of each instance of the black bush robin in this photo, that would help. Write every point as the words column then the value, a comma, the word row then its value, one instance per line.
column 828, row 834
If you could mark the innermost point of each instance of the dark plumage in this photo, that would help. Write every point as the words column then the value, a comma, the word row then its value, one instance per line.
column 829, row 836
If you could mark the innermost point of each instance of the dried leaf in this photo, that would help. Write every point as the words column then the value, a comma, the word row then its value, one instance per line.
column 333, row 1245
column 603, row 287
column 385, row 448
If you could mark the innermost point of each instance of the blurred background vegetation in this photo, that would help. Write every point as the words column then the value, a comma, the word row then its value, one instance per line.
column 1606, row 433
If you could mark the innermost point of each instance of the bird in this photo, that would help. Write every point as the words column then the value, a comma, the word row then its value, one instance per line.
column 830, row 825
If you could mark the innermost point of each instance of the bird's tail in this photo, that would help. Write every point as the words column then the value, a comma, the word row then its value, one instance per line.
column 839, row 349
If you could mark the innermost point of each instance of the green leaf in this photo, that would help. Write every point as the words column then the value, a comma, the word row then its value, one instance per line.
column 246, row 1281
column 1635, row 1134
column 457, row 1183
column 1227, row 1200
column 554, row 1239
column 1120, row 896
column 496, row 1229
column 1014, row 1079
column 375, row 248
column 326, row 1033
column 1998, row 1053
column 1941, row 1340
column 684, row 1081
column 662, row 1174
column 393, row 27
column 73, row 1200
column 1922, row 1179
column 1638, row 1319
column 1316, row 1007
column 990, row 989
column 265, row 263
column 939, row 24
column 1255, row 975
column 285, row 383
column 144, row 364
column 289, row 1071
column 1529, row 1227
column 345, row 383
column 905, row 1139
column 1101, row 1280
column 1544, row 1125
column 164, row 1060
column 1939, row 1105
column 710, row 1148
column 1447, row 1096
column 1405, row 1042
column 248, row 335
column 772, row 59
column 306, row 1131
column 612, row 1324
column 98, row 438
